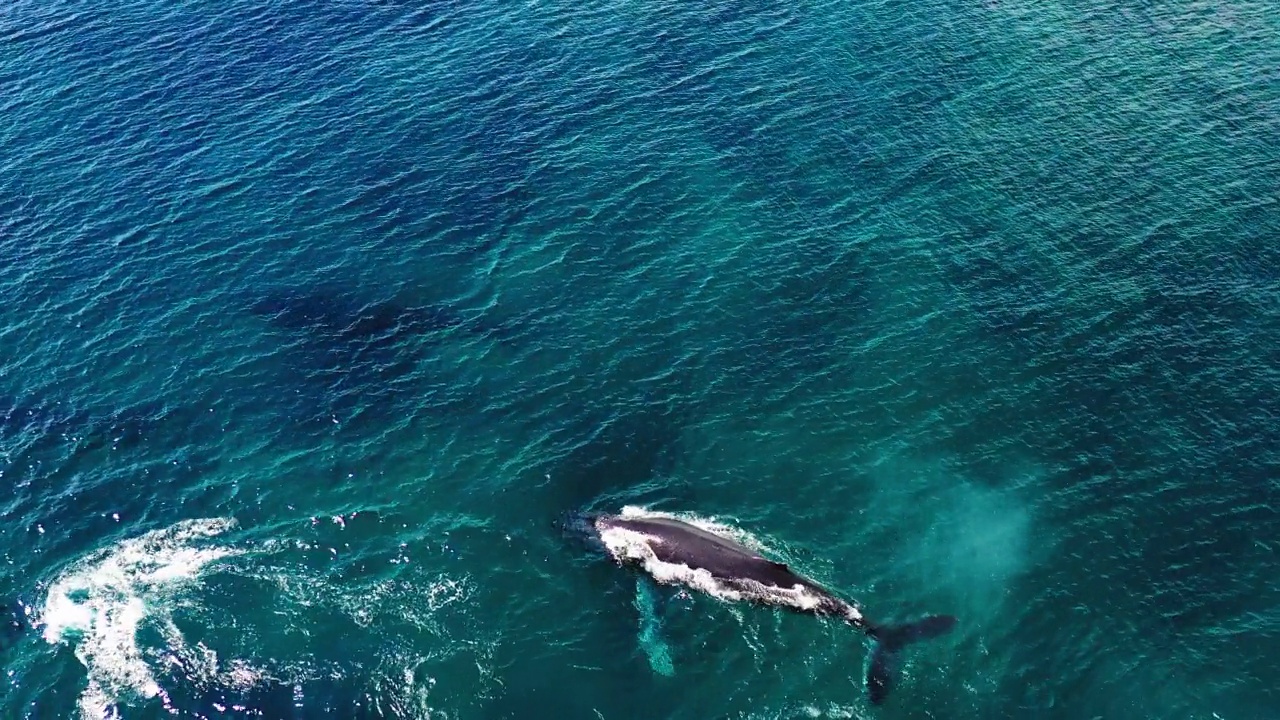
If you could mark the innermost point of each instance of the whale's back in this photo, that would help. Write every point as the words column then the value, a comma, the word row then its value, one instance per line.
column 674, row 551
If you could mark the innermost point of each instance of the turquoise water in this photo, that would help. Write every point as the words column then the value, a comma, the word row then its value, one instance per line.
column 316, row 317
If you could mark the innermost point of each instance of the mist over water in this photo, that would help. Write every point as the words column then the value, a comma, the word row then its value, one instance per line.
column 317, row 317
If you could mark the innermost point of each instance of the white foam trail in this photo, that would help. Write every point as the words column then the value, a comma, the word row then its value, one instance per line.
column 99, row 602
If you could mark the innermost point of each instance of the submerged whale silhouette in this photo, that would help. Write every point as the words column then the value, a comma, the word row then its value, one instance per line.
column 674, row 551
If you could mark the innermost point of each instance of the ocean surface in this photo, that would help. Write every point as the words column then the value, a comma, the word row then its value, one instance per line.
column 315, row 317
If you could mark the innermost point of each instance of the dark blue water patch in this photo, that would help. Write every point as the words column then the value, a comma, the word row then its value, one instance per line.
column 355, row 351
column 1192, row 545
column 691, row 79
column 343, row 698
column 1065, row 629
column 15, row 622
column 74, row 472
column 163, row 424
column 530, row 693
column 33, row 686
column 347, row 319
column 1155, row 420
column 800, row 313
column 826, row 168
column 18, row 217
column 41, row 441
column 213, row 119
column 621, row 459
column 816, row 309
column 257, row 50
column 24, row 221
column 415, row 201
column 22, row 414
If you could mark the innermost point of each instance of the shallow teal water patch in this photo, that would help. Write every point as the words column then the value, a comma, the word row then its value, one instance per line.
column 650, row 635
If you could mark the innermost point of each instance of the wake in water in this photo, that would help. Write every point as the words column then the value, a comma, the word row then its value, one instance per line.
column 99, row 604
column 121, row 609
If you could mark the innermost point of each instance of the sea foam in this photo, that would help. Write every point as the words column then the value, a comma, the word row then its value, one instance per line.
column 99, row 603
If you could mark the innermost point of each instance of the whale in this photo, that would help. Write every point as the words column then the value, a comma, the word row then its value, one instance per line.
column 711, row 558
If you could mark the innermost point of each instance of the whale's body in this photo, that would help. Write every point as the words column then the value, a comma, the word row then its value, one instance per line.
column 711, row 559
column 676, row 551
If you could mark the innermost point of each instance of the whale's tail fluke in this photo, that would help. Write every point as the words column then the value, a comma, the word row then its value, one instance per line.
column 892, row 638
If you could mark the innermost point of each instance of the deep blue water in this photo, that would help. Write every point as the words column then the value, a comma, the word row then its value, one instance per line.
column 317, row 315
